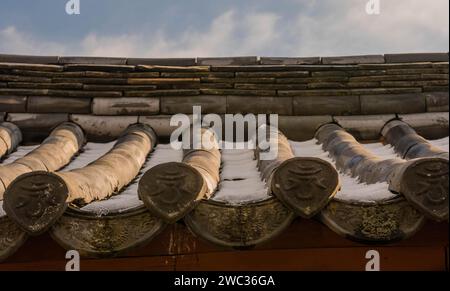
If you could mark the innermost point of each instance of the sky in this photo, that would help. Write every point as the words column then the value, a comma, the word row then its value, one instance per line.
column 208, row 28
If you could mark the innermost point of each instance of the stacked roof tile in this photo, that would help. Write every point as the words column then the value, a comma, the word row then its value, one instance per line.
column 363, row 148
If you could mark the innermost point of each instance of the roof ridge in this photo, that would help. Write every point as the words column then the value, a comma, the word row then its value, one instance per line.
column 231, row 60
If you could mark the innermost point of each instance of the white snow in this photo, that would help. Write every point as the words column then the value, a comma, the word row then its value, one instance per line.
column 383, row 151
column 2, row 212
column 91, row 152
column 20, row 152
column 240, row 179
column 128, row 198
column 441, row 143
column 388, row 152
column 351, row 189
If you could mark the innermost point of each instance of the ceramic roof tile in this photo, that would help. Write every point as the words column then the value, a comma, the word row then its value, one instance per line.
column 366, row 177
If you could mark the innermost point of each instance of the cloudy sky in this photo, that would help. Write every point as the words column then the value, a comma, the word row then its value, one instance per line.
column 190, row 28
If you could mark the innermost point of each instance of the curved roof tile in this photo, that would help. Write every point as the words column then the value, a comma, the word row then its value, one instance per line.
column 242, row 200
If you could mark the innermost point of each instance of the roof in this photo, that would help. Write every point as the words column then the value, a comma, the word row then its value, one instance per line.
column 363, row 148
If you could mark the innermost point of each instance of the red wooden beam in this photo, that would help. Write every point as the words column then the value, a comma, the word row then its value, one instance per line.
column 305, row 245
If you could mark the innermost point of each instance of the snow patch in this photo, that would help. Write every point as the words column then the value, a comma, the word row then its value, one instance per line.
column 383, row 151
column 128, row 199
column 20, row 152
column 441, row 143
column 351, row 189
column 2, row 212
column 240, row 179
column 91, row 152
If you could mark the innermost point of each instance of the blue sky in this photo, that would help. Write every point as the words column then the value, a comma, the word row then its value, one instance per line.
column 190, row 28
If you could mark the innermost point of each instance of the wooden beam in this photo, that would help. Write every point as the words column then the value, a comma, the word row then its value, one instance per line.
column 424, row 251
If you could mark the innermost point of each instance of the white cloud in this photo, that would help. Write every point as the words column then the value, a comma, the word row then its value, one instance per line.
column 217, row 38
column 262, row 33
column 15, row 42
column 402, row 26
column 114, row 46
column 326, row 27
column 228, row 34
